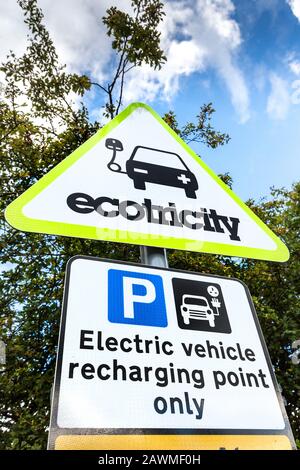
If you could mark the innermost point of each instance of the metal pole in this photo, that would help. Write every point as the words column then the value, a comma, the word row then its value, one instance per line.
column 153, row 256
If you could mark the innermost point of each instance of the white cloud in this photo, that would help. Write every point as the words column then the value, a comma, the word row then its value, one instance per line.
column 196, row 34
column 294, row 66
column 211, row 40
column 79, row 34
column 295, row 7
column 12, row 29
column 75, row 27
column 184, row 58
column 279, row 101
column 260, row 75
column 237, row 87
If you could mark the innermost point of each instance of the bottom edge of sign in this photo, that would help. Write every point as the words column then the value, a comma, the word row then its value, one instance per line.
column 172, row 442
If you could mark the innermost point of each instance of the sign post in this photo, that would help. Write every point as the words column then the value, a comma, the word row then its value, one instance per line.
column 156, row 358
column 154, row 256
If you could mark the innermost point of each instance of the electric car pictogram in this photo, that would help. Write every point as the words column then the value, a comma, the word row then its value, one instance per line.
column 151, row 165
column 196, row 307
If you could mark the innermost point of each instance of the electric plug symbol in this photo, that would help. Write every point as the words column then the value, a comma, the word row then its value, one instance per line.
column 216, row 304
column 116, row 146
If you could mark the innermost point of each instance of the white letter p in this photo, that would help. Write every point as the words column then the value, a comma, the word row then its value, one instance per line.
column 130, row 298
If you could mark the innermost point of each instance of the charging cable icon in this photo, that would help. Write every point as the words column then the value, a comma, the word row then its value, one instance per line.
column 116, row 146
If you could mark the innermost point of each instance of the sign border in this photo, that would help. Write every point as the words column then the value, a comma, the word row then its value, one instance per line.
column 15, row 217
column 55, row 431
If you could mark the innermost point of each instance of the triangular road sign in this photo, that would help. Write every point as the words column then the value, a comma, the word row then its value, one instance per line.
column 135, row 181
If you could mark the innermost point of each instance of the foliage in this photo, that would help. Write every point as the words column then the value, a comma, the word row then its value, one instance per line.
column 136, row 41
column 36, row 83
column 201, row 131
column 40, row 126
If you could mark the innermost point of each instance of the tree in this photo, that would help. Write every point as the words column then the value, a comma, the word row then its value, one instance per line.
column 40, row 126
column 136, row 41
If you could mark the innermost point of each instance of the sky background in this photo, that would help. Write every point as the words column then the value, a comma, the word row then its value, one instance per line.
column 241, row 55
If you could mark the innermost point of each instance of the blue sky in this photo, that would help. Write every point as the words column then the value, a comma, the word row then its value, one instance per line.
column 264, row 149
column 242, row 55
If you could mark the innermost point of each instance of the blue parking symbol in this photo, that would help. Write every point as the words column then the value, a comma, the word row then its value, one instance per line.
column 136, row 298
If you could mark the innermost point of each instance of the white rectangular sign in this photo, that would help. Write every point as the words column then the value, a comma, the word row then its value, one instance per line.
column 156, row 350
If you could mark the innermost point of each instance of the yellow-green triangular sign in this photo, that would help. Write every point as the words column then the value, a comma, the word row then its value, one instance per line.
column 135, row 181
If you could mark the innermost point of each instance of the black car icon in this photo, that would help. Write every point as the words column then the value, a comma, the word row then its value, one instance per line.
column 175, row 173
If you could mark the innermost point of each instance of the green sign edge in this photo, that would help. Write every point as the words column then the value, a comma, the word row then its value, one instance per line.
column 18, row 220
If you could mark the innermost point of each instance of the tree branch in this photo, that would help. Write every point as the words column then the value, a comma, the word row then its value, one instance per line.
column 121, row 92
column 119, row 68
column 100, row 86
column 9, row 132
column 129, row 68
